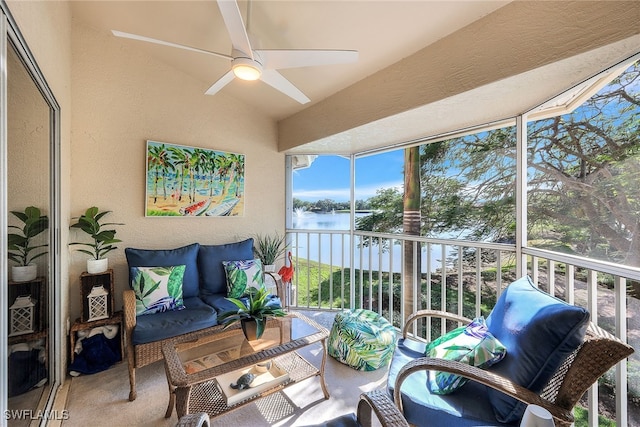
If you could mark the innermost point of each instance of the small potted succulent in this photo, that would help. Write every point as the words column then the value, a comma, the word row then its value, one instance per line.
column 253, row 311
column 101, row 240
column 21, row 246
column 269, row 248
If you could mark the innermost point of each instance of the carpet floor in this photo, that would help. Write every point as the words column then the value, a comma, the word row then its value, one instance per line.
column 102, row 399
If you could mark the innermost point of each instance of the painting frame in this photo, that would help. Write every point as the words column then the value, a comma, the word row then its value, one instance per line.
column 185, row 181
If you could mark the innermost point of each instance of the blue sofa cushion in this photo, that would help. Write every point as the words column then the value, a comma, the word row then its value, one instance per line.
column 539, row 331
column 186, row 255
column 195, row 316
column 221, row 304
column 467, row 407
column 213, row 279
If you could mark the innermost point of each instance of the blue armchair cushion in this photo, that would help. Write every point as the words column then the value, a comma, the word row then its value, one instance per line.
column 186, row 255
column 468, row 407
column 195, row 316
column 539, row 332
column 212, row 274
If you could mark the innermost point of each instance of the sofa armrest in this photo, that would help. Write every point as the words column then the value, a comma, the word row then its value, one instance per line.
column 129, row 308
column 487, row 378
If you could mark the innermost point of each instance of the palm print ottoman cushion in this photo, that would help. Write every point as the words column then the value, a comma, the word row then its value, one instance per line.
column 362, row 339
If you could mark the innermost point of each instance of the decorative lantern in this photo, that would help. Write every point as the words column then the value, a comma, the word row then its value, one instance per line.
column 22, row 316
column 97, row 302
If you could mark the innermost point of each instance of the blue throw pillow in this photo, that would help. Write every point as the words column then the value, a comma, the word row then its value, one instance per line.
column 186, row 255
column 539, row 332
column 210, row 257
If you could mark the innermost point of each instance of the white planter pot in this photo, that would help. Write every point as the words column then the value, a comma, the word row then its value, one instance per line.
column 95, row 266
column 269, row 268
column 24, row 273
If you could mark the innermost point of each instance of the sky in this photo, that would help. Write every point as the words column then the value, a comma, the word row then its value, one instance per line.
column 328, row 177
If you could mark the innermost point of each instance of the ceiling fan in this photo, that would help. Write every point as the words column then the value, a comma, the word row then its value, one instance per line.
column 250, row 64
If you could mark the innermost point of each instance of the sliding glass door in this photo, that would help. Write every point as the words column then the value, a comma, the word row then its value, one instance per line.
column 29, row 277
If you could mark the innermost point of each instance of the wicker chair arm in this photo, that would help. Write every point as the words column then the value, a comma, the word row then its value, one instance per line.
column 381, row 404
column 431, row 313
column 199, row 419
column 129, row 308
column 487, row 378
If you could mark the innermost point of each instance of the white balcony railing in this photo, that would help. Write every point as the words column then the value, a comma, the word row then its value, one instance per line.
column 338, row 270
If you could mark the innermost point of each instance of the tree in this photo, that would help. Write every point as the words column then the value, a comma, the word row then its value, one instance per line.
column 584, row 195
column 583, row 174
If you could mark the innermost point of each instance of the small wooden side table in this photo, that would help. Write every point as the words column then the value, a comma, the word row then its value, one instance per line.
column 78, row 325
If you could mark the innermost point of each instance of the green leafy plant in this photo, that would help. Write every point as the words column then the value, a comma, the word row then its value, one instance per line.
column 19, row 245
column 102, row 240
column 269, row 247
column 255, row 305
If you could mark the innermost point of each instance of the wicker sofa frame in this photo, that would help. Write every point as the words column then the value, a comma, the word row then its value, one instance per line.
column 598, row 353
column 140, row 355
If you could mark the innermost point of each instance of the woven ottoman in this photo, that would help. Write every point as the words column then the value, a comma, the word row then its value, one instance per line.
column 362, row 339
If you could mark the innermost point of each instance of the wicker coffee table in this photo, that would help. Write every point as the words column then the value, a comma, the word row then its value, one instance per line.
column 194, row 365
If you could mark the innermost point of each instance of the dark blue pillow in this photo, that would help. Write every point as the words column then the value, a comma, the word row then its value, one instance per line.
column 186, row 255
column 539, row 332
column 212, row 275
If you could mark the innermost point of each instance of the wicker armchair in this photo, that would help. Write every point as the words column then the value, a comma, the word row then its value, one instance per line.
column 597, row 354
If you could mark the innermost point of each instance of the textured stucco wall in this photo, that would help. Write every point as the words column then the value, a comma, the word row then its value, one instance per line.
column 121, row 99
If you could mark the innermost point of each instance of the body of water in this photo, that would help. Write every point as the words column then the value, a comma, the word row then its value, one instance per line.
column 336, row 249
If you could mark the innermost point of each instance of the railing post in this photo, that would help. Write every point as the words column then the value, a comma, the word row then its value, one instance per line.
column 521, row 194
column 592, row 306
column 621, row 368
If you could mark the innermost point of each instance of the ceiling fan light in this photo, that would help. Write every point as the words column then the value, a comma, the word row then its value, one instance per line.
column 246, row 69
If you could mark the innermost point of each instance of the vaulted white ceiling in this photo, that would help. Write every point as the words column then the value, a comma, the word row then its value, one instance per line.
column 404, row 86
column 383, row 32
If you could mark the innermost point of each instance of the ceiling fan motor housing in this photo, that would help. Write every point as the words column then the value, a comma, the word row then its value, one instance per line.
column 245, row 67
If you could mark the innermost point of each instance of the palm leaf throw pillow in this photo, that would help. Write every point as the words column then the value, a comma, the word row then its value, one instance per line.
column 472, row 344
column 242, row 275
column 157, row 289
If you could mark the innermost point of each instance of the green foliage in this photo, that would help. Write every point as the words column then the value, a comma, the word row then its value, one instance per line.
column 101, row 240
column 257, row 307
column 20, row 244
column 319, row 285
column 582, row 418
column 269, row 247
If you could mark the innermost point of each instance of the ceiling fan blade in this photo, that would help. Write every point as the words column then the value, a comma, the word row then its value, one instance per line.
column 277, row 81
column 222, row 82
column 293, row 58
column 235, row 26
column 165, row 43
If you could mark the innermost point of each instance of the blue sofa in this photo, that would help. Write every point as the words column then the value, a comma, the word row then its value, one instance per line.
column 204, row 290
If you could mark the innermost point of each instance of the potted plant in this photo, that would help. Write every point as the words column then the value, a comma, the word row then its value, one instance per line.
column 101, row 240
column 20, row 244
column 252, row 312
column 269, row 248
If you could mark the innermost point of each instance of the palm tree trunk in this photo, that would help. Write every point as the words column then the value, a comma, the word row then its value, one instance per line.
column 411, row 226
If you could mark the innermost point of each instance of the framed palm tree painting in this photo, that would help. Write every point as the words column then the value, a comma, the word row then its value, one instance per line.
column 190, row 181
